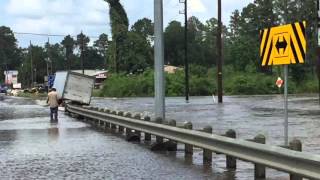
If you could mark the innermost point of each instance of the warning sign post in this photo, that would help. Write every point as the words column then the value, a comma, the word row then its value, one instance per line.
column 284, row 45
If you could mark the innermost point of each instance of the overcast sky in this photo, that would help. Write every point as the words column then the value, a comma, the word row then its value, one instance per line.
column 91, row 16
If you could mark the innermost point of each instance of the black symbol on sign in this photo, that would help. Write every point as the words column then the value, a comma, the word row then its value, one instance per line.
column 281, row 45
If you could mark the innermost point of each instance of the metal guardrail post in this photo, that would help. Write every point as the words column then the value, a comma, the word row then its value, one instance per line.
column 231, row 162
column 120, row 128
column 106, row 110
column 113, row 126
column 259, row 170
column 99, row 122
column 295, row 145
column 173, row 144
column 188, row 147
column 128, row 130
column 207, row 154
column 147, row 136
column 137, row 117
column 107, row 125
column 101, row 109
column 158, row 138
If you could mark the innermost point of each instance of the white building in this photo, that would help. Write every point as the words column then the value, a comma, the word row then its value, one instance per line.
column 11, row 77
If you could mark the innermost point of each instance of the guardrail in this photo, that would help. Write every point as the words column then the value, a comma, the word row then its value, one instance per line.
column 298, row 164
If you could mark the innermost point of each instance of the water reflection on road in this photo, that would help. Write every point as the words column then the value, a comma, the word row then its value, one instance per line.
column 33, row 148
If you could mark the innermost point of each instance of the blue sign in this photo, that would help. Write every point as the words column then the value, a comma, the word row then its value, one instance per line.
column 51, row 80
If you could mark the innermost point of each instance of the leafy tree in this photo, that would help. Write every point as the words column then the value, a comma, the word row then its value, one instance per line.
column 10, row 54
column 294, row 11
column 102, row 45
column 96, row 59
column 174, row 39
column 57, row 57
column 196, row 38
column 138, row 52
column 39, row 66
column 235, row 24
column 68, row 44
column 210, row 41
column 82, row 42
column 144, row 27
column 119, row 29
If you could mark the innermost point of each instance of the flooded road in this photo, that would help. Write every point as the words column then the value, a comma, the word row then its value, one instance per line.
column 33, row 148
column 247, row 115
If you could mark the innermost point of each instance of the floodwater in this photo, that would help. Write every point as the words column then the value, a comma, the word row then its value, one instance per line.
column 33, row 148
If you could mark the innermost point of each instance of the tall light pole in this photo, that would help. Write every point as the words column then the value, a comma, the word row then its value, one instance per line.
column 318, row 48
column 31, row 64
column 159, row 83
column 219, row 49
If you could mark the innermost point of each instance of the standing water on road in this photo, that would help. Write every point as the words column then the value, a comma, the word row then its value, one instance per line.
column 247, row 115
column 33, row 148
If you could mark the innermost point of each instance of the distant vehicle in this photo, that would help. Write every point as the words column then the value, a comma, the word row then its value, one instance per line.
column 3, row 89
column 73, row 86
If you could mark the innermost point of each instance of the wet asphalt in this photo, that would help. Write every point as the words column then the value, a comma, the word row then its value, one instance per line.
column 33, row 148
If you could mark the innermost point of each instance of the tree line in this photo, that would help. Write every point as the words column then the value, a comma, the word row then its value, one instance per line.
column 130, row 50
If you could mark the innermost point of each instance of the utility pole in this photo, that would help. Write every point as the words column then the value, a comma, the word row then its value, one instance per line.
column 49, row 56
column 219, row 45
column 159, row 60
column 6, row 74
column 31, row 64
column 49, row 60
column 186, row 63
column 82, row 50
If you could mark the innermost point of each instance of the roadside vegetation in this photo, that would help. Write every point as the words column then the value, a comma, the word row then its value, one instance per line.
column 202, row 83
column 32, row 95
column 129, row 56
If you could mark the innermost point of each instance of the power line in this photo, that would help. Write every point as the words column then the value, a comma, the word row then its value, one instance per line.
column 50, row 35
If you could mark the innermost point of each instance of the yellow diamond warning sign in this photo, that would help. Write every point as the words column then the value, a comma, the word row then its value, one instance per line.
column 283, row 44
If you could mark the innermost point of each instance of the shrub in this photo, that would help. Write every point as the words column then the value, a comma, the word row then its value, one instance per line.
column 202, row 82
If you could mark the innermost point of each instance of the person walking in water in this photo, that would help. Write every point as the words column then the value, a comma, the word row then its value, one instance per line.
column 52, row 101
